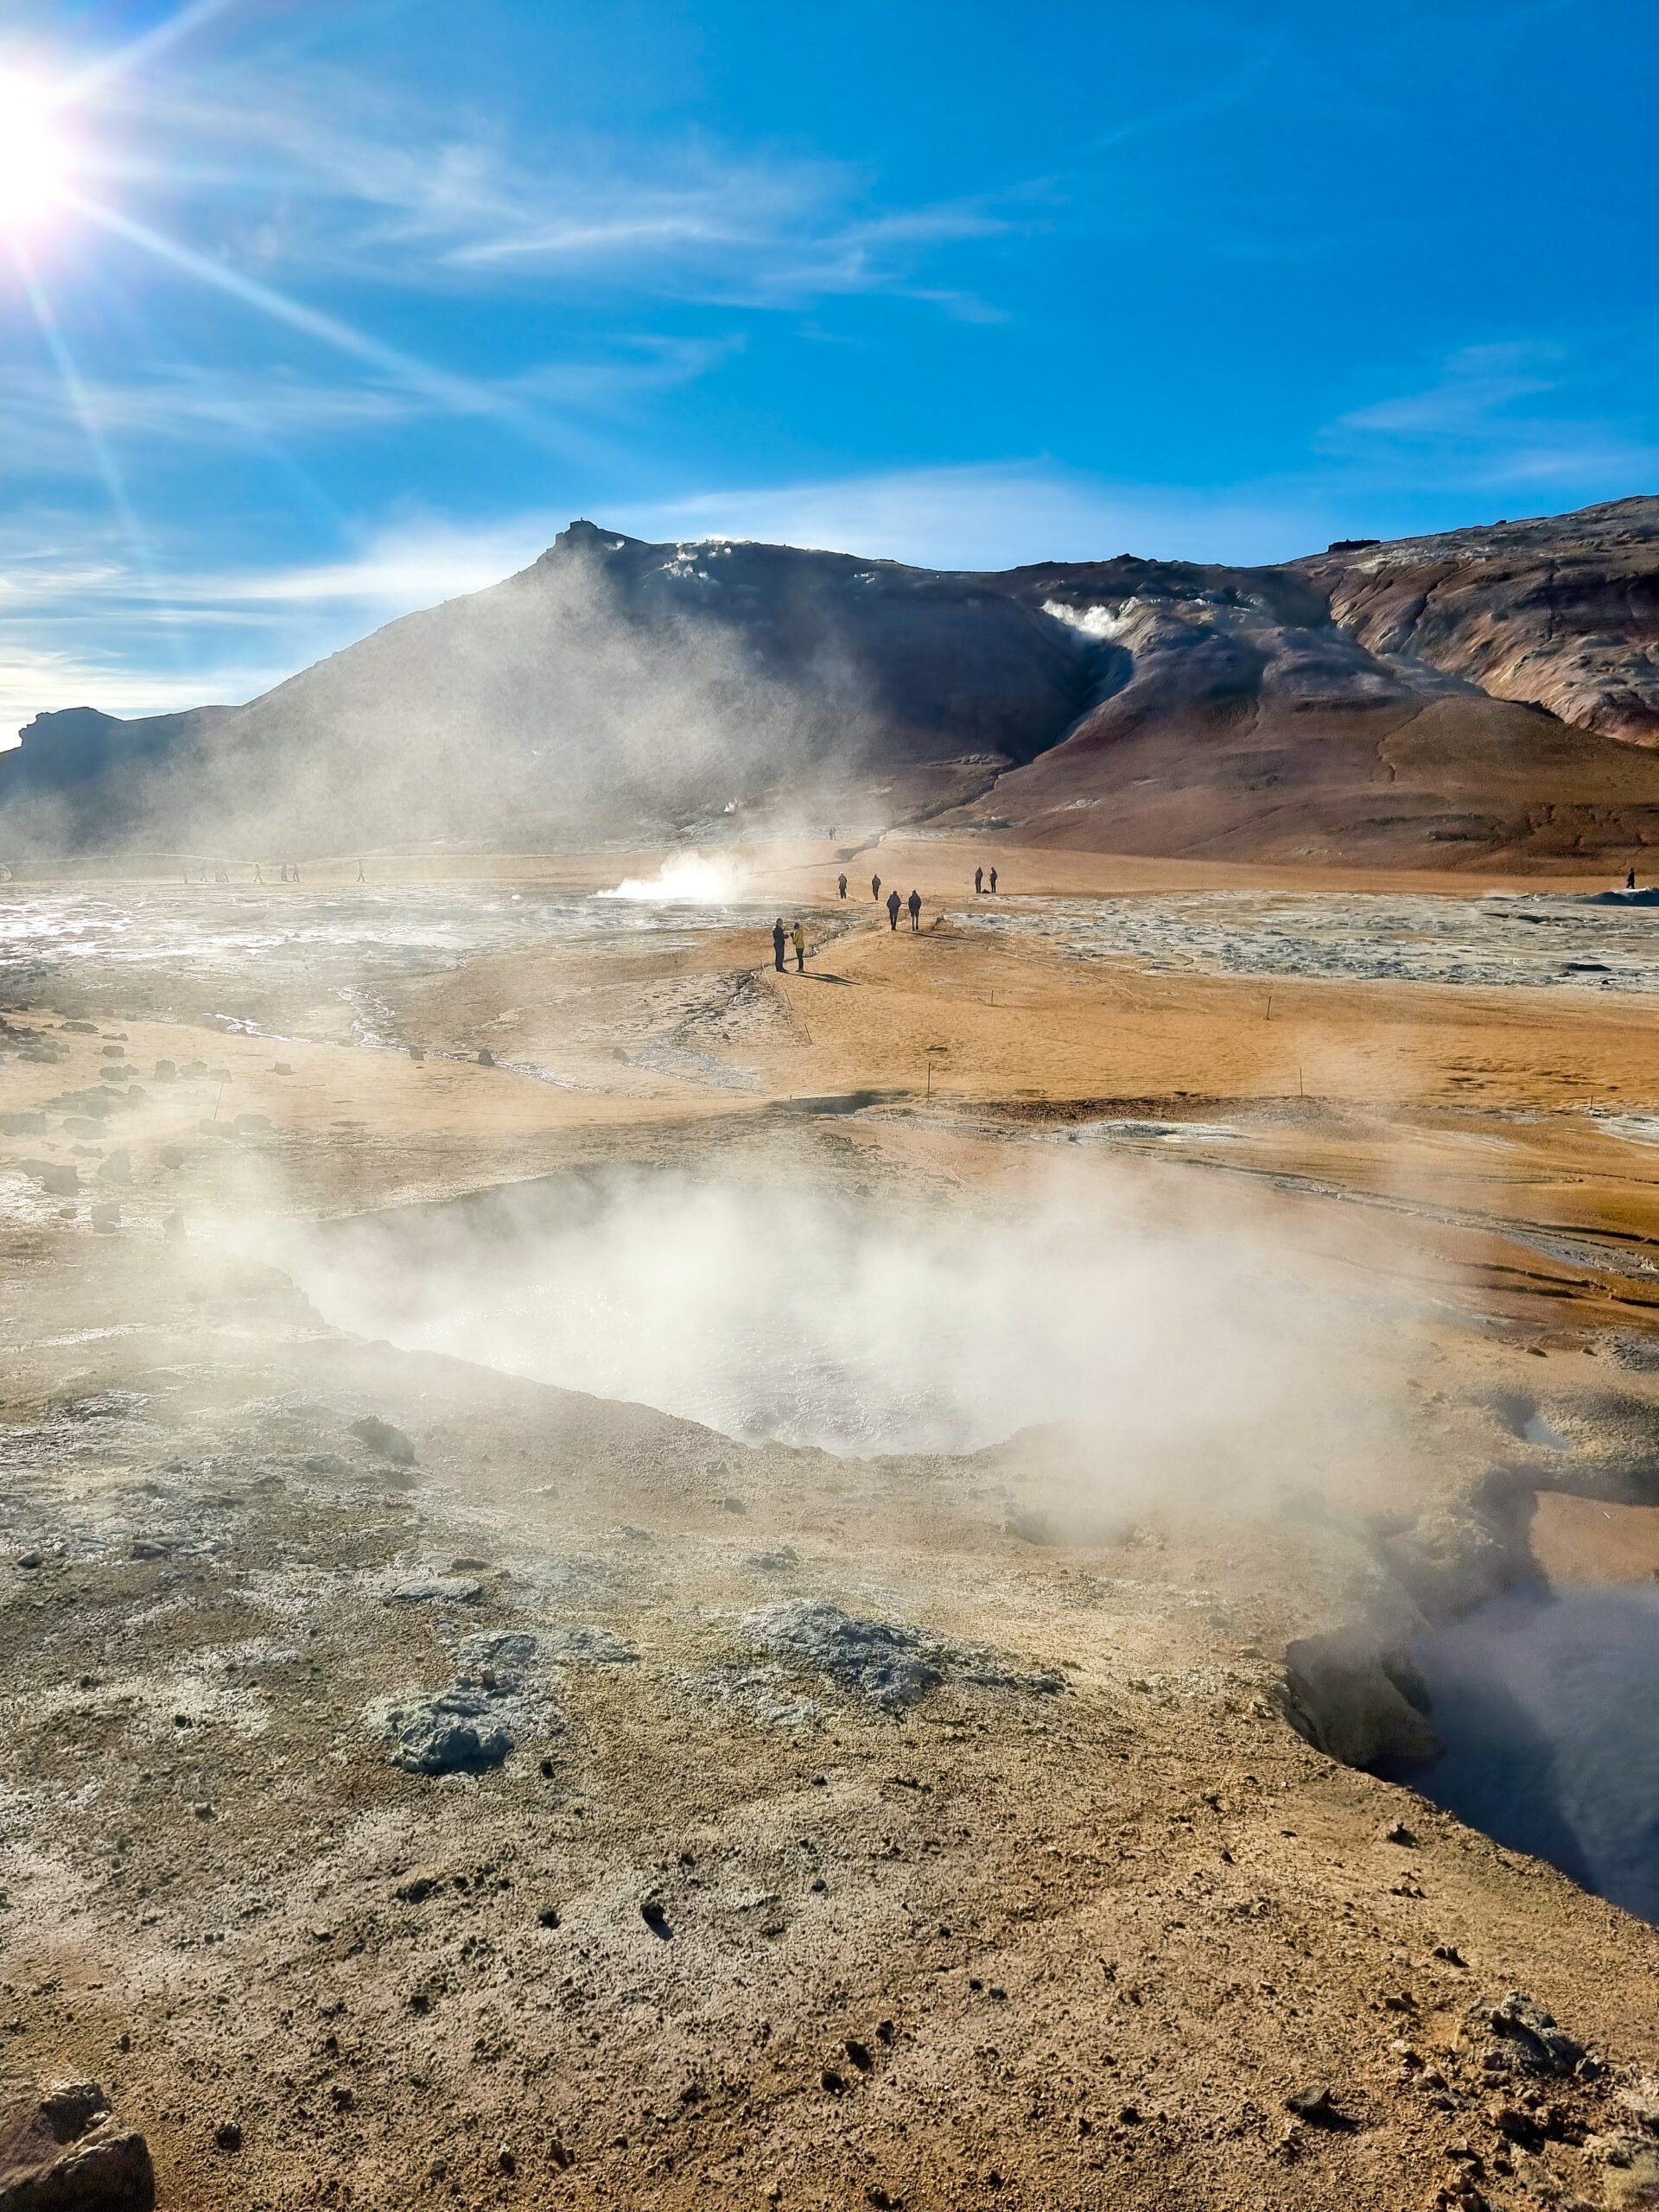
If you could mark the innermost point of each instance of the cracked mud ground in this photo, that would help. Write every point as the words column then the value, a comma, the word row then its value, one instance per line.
column 1049, row 1903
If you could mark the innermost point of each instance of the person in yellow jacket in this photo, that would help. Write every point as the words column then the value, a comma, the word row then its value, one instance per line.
column 799, row 940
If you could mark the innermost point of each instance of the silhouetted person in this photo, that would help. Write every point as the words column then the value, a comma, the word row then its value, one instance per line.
column 840, row 885
column 875, row 887
column 799, row 942
column 993, row 879
column 914, row 903
column 777, row 945
column 363, row 879
column 1629, row 879
column 892, row 910
column 979, row 880
column 256, row 876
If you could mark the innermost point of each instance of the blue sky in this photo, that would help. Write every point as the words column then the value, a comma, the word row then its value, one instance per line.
column 313, row 312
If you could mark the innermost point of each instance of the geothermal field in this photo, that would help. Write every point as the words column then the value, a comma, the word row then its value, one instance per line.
column 1016, row 1568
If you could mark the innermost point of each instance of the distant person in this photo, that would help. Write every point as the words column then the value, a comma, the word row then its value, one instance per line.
column 256, row 876
column 914, row 903
column 979, row 881
column 799, row 940
column 777, row 941
column 363, row 879
column 892, row 910
column 875, row 887
column 1629, row 879
column 840, row 885
column 993, row 882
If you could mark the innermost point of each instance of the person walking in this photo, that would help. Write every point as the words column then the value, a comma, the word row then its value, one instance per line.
column 892, row 910
column 777, row 945
column 840, row 885
column 993, row 882
column 979, row 881
column 799, row 940
column 914, row 903
column 1629, row 879
column 875, row 887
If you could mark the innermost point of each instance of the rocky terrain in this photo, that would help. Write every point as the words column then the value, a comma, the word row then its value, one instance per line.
column 1485, row 697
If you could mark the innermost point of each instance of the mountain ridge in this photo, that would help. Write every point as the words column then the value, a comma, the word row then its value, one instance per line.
column 1485, row 693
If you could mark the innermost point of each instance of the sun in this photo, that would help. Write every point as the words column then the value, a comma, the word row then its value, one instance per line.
column 34, row 157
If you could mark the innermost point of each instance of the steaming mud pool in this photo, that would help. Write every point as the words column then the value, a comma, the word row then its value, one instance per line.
column 1545, row 1701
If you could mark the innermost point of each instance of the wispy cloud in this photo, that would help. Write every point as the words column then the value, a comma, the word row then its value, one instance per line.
column 195, row 407
column 77, row 617
column 333, row 174
column 1496, row 415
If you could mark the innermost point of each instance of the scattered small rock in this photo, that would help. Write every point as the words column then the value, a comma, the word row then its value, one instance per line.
column 228, row 2135
column 1313, row 2104
column 382, row 1437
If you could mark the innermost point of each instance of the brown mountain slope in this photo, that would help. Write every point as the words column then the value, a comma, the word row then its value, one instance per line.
column 1562, row 610
column 1372, row 704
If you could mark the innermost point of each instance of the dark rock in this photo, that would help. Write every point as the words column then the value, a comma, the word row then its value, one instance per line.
column 380, row 1436
column 836, row 2084
column 455, row 1732
column 228, row 2135
column 548, row 1916
column 30, row 1559
column 59, row 2153
column 859, row 2053
column 70, row 2109
column 1527, row 2038
column 1309, row 2104
column 873, row 1659
column 435, row 1590
column 59, row 1182
column 654, row 1913
column 486, row 1057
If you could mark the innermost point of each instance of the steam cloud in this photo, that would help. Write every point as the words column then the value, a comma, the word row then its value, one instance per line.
column 1190, row 1353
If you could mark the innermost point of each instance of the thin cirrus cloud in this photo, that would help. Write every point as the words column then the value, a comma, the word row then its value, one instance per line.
column 194, row 407
column 79, row 618
column 339, row 175
column 1487, row 422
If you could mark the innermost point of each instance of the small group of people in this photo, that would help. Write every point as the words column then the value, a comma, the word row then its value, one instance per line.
column 980, row 881
column 780, row 937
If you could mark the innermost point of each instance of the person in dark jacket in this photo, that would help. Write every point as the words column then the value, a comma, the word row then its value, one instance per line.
column 875, row 887
column 993, row 881
column 892, row 910
column 979, row 880
column 840, row 885
column 914, row 903
column 778, row 943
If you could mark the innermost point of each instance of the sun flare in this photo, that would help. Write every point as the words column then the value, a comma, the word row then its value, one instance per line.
column 35, row 159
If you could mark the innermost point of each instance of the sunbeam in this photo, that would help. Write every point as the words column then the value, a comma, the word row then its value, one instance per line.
column 458, row 394
column 80, row 400
column 111, row 66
